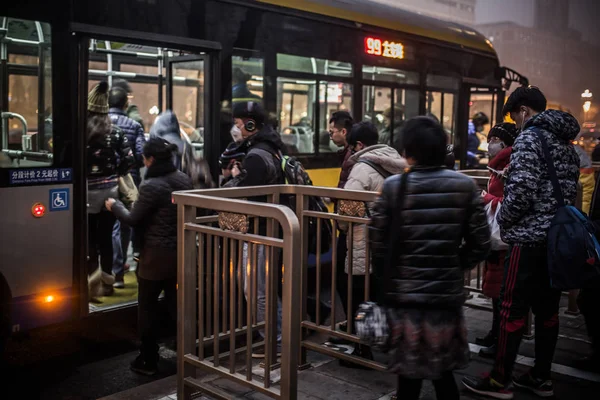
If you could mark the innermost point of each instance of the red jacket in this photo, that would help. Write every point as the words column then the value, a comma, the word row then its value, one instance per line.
column 495, row 192
column 494, row 266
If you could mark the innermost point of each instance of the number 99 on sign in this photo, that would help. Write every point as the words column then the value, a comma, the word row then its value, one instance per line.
column 386, row 49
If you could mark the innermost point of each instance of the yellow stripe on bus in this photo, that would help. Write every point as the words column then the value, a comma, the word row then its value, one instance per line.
column 343, row 13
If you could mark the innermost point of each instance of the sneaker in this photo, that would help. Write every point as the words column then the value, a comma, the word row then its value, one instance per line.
column 260, row 352
column 486, row 341
column 488, row 352
column 487, row 387
column 541, row 387
column 144, row 367
column 119, row 284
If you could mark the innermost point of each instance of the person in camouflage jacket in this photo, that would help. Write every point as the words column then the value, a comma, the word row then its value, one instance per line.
column 525, row 216
column 529, row 204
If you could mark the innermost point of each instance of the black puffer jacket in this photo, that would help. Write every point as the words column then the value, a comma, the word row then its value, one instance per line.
column 135, row 137
column 155, row 217
column 440, row 232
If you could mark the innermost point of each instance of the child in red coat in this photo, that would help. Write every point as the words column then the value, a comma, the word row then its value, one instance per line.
column 500, row 140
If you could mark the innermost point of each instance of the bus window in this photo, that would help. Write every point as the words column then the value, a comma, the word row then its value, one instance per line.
column 295, row 105
column 443, row 82
column 311, row 65
column 382, row 74
column 377, row 100
column 406, row 106
column 247, row 79
column 434, row 105
column 448, row 116
column 26, row 124
column 333, row 96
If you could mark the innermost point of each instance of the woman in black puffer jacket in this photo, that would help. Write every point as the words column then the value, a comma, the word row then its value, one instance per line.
column 422, row 243
column 155, row 217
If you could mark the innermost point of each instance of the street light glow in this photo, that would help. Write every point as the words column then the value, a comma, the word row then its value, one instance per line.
column 587, row 94
column 586, row 106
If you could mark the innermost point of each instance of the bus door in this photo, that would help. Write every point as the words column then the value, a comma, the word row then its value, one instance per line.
column 482, row 109
column 187, row 96
column 158, row 73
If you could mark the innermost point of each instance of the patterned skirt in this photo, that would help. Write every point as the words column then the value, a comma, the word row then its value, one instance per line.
column 427, row 343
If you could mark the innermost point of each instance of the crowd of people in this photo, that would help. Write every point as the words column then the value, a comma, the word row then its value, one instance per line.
column 429, row 225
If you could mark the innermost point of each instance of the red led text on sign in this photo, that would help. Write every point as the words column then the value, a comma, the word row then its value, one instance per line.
column 377, row 47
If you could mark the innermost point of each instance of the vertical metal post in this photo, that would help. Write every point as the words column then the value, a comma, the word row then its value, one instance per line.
column 290, row 323
column 186, row 302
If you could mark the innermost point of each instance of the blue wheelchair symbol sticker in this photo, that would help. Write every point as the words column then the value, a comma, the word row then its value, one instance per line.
column 59, row 199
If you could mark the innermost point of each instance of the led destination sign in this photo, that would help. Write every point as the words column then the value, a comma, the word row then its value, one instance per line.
column 384, row 48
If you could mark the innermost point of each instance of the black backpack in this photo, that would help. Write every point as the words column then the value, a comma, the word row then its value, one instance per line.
column 295, row 174
column 573, row 250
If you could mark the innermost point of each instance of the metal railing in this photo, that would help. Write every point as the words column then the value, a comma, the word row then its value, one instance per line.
column 210, row 276
column 217, row 264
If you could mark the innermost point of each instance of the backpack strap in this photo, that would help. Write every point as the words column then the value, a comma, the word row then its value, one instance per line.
column 558, row 195
column 376, row 167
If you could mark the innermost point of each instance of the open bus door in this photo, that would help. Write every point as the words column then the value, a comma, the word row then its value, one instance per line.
column 140, row 58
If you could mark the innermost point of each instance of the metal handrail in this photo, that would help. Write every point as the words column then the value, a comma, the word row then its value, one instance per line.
column 195, row 258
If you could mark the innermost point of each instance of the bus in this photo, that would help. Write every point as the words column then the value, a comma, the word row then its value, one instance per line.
column 303, row 59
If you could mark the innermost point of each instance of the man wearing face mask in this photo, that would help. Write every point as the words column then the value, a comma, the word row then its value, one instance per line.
column 527, row 210
column 260, row 167
column 500, row 141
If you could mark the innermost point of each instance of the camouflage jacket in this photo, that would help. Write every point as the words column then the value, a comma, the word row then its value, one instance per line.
column 529, row 203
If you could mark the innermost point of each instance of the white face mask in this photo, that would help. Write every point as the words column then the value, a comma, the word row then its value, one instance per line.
column 236, row 134
column 495, row 148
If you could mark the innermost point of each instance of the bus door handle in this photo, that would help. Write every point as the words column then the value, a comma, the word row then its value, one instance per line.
column 5, row 116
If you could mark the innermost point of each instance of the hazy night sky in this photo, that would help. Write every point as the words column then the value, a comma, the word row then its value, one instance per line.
column 584, row 15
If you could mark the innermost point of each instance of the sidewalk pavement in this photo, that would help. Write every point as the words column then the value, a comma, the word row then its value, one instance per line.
column 327, row 380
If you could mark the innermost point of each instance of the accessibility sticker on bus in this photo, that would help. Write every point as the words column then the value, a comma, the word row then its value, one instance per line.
column 59, row 199
column 40, row 175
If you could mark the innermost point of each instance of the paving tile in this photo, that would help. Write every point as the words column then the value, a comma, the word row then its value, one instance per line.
column 327, row 387
column 376, row 382
column 235, row 389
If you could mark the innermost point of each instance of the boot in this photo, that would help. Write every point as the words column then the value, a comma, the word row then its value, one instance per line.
column 360, row 350
column 488, row 352
column 486, row 341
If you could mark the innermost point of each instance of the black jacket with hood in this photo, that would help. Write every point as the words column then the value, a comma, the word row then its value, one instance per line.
column 154, row 216
column 261, row 166
column 529, row 204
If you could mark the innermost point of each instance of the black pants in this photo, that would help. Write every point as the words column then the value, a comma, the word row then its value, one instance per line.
column 100, row 227
column 589, row 304
column 149, row 315
column 445, row 388
column 496, row 319
column 526, row 285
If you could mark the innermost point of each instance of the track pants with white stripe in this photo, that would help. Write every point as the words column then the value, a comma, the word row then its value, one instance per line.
column 525, row 286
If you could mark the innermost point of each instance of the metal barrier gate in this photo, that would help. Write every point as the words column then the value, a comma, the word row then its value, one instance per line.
column 195, row 272
column 212, row 261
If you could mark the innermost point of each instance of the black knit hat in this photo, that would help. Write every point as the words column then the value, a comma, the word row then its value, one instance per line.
column 232, row 152
column 507, row 132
